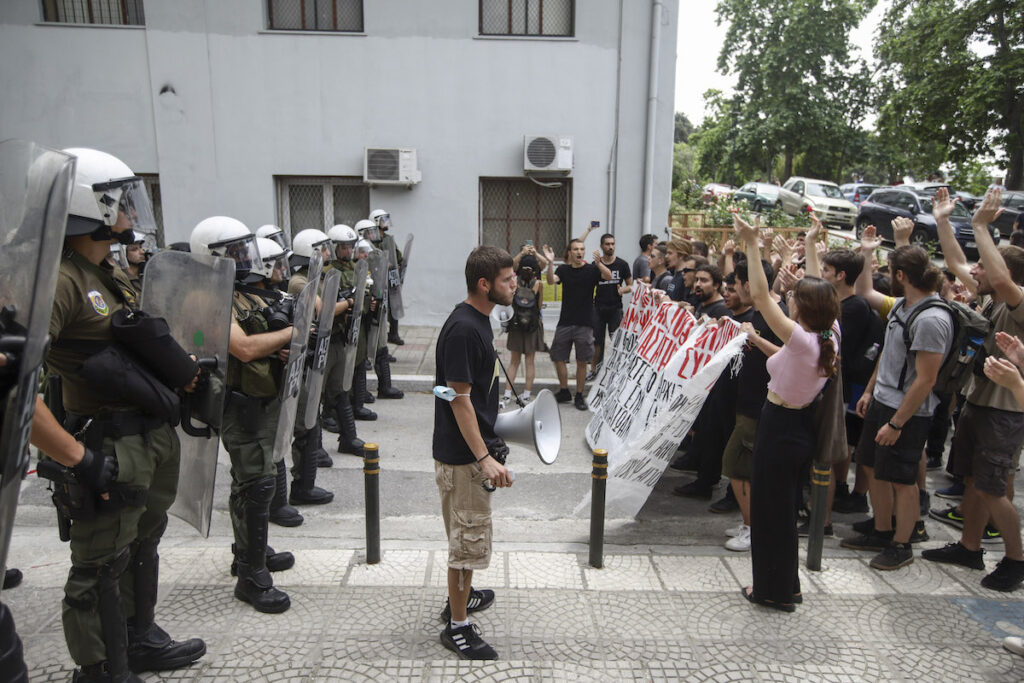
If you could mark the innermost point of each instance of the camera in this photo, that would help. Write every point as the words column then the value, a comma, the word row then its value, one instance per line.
column 280, row 313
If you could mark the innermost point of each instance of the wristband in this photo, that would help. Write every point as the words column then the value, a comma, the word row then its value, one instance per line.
column 481, row 458
column 892, row 426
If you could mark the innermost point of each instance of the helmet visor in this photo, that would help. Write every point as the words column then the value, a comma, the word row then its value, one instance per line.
column 279, row 238
column 276, row 269
column 242, row 250
column 384, row 221
column 135, row 205
column 373, row 234
column 326, row 249
column 118, row 257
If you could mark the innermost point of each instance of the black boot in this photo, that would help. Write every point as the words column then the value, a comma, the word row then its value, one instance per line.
column 281, row 513
column 323, row 458
column 327, row 421
column 276, row 562
column 149, row 646
column 359, row 394
column 255, row 586
column 393, row 337
column 112, row 626
column 383, row 367
column 304, row 488
column 348, row 441
column 12, row 656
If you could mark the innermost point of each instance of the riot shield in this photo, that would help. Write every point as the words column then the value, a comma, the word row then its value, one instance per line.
column 315, row 373
column 379, row 265
column 352, row 336
column 394, row 283
column 35, row 188
column 406, row 250
column 193, row 293
column 291, row 377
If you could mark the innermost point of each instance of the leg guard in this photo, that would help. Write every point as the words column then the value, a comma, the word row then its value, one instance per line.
column 111, row 617
column 304, row 488
column 383, row 367
column 255, row 585
column 12, row 660
column 348, row 441
column 281, row 513
column 359, row 396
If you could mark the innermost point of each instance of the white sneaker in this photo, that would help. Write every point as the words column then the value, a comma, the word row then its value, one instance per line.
column 501, row 404
column 741, row 542
column 735, row 531
column 1014, row 645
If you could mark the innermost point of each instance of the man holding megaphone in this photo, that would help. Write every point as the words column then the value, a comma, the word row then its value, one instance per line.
column 468, row 454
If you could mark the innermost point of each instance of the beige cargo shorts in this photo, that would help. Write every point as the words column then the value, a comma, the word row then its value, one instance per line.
column 466, row 507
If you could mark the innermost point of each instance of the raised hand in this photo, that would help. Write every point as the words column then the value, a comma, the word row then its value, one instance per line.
column 869, row 240
column 784, row 247
column 744, row 230
column 989, row 210
column 815, row 231
column 729, row 248
column 549, row 254
column 1012, row 346
column 901, row 229
column 1002, row 372
column 942, row 206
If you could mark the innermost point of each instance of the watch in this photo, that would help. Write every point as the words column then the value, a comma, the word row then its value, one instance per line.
column 892, row 426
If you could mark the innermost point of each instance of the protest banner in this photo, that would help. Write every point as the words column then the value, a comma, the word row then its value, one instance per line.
column 638, row 314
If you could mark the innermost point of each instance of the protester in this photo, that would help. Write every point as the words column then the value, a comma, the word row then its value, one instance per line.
column 608, row 299
column 661, row 276
column 525, row 331
column 642, row 263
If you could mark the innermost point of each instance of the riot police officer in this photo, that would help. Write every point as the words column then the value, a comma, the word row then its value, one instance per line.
column 369, row 230
column 116, row 440
column 250, row 419
column 386, row 243
column 307, row 447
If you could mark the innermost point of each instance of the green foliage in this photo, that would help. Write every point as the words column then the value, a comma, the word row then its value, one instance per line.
column 970, row 176
column 683, row 128
column 950, row 75
column 687, row 197
column 682, row 164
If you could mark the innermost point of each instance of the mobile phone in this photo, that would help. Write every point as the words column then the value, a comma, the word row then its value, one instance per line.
column 595, row 224
column 529, row 243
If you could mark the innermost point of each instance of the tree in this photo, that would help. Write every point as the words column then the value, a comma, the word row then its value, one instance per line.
column 951, row 71
column 683, row 128
column 792, row 63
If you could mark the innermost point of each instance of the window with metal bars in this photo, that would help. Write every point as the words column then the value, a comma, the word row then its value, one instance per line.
column 527, row 17
column 318, row 202
column 315, row 15
column 514, row 210
column 123, row 12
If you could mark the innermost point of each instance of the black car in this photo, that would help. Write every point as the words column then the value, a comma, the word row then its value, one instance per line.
column 1013, row 205
column 888, row 203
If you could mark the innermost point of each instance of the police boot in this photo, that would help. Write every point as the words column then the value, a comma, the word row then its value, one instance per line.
column 255, row 586
column 359, row 395
column 383, row 367
column 304, row 488
column 328, row 420
column 276, row 562
column 112, row 627
column 12, row 659
column 348, row 441
column 149, row 646
column 281, row 513
column 393, row 337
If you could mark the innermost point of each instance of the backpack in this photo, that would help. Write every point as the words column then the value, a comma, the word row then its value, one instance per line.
column 524, row 309
column 862, row 363
column 970, row 329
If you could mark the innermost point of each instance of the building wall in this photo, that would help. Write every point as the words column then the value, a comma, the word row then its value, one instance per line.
column 216, row 105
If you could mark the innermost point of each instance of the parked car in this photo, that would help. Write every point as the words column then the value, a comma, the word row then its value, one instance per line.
column 715, row 191
column 857, row 192
column 821, row 196
column 888, row 203
column 758, row 195
column 930, row 188
column 1013, row 205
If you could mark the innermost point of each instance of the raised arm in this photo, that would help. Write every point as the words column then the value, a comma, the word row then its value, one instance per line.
column 865, row 287
column 812, row 266
column 550, row 270
column 988, row 254
column 778, row 321
column 956, row 262
column 606, row 274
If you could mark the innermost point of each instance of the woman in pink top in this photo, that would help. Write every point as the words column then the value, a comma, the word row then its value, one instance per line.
column 785, row 437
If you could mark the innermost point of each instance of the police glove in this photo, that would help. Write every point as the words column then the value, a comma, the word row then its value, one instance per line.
column 95, row 471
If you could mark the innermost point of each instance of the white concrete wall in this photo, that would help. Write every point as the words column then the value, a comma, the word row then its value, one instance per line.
column 242, row 105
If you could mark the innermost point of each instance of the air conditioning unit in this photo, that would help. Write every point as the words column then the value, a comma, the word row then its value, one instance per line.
column 547, row 154
column 390, row 166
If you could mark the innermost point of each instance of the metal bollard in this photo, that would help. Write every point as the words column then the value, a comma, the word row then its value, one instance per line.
column 371, row 489
column 599, row 479
column 820, row 477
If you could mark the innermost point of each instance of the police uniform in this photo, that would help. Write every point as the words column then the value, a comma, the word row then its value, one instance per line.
column 249, row 427
column 386, row 242
column 337, row 401
column 381, row 362
column 114, row 561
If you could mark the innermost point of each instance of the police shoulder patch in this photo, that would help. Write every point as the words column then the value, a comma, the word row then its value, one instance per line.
column 99, row 304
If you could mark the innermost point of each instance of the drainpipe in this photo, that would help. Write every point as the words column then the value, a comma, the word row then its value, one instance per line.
column 657, row 8
column 613, row 160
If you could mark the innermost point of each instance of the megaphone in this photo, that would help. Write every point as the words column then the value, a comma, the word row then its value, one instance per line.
column 538, row 425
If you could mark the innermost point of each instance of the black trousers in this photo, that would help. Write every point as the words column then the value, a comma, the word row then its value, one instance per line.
column 782, row 446
column 714, row 425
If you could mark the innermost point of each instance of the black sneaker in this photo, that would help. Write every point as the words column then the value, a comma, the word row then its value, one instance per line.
column 466, row 642
column 478, row 601
column 804, row 530
column 991, row 535
column 1007, row 576
column 684, row 462
column 864, row 526
column 855, row 502
column 725, row 504
column 956, row 553
column 580, row 403
column 694, row 489
column 919, row 533
column 934, row 462
column 894, row 556
column 950, row 516
column 563, row 396
column 873, row 540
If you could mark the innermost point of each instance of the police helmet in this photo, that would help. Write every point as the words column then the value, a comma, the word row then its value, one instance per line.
column 308, row 241
column 227, row 237
column 105, row 189
column 368, row 230
column 363, row 247
column 272, row 232
column 381, row 218
column 343, row 234
column 273, row 265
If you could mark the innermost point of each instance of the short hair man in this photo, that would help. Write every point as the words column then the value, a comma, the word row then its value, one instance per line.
column 467, row 452
column 576, row 321
column 707, row 287
column 608, row 298
column 642, row 265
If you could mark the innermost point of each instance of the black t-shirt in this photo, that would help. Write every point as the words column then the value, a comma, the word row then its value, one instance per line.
column 465, row 353
column 577, row 293
column 662, row 281
column 607, row 290
column 854, row 323
column 718, row 309
column 675, row 288
column 753, row 375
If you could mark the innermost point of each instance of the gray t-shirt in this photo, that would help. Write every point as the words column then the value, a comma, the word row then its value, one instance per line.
column 641, row 267
column 932, row 331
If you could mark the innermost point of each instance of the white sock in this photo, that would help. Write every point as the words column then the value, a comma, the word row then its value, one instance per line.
column 508, row 394
column 526, row 395
column 459, row 624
